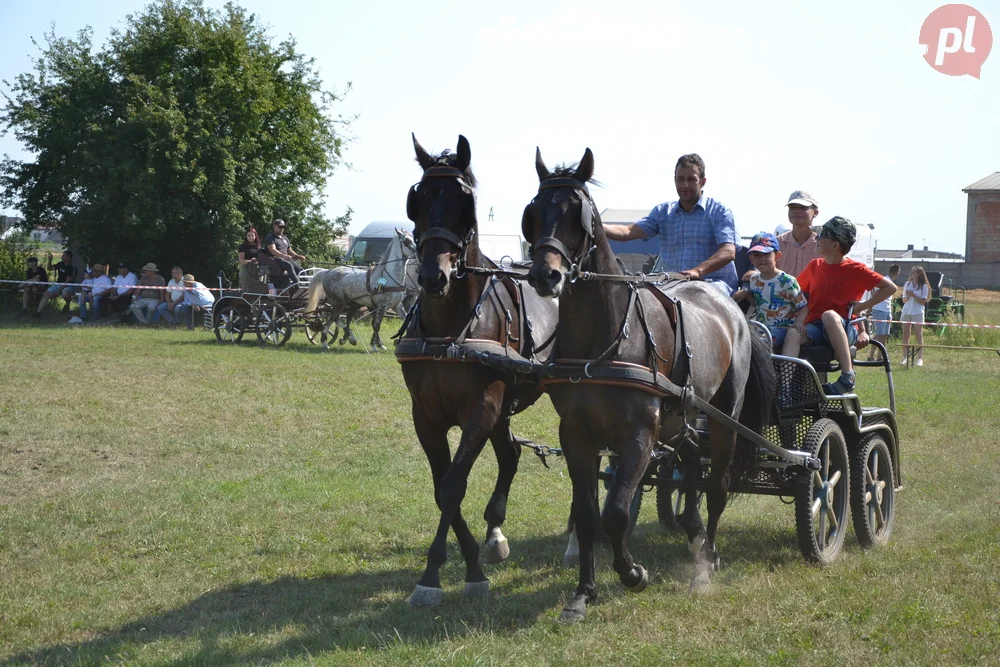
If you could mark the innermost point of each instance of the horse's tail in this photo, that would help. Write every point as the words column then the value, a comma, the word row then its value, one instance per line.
column 762, row 387
column 315, row 291
column 758, row 405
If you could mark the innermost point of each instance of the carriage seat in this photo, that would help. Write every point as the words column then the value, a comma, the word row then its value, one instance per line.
column 821, row 357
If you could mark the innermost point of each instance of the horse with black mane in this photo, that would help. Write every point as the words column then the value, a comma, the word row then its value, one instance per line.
column 634, row 354
column 465, row 307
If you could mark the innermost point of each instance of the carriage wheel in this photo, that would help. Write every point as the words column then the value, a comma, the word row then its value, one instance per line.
column 274, row 326
column 229, row 325
column 873, row 492
column 821, row 496
column 314, row 330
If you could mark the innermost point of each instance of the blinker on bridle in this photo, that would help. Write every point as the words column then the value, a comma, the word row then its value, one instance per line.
column 586, row 221
column 440, row 232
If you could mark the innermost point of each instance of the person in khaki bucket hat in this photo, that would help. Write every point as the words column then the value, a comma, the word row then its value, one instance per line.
column 148, row 299
column 798, row 245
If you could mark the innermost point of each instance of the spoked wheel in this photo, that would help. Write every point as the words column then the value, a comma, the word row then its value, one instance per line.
column 821, row 496
column 229, row 325
column 873, row 492
column 274, row 326
column 314, row 330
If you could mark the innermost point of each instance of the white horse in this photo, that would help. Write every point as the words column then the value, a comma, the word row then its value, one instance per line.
column 384, row 285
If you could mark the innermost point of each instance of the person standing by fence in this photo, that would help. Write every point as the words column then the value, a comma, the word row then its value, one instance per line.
column 916, row 293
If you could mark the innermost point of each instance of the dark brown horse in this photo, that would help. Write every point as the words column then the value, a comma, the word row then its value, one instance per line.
column 459, row 310
column 623, row 322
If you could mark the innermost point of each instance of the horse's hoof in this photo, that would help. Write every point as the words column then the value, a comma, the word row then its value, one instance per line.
column 496, row 549
column 695, row 545
column 425, row 596
column 701, row 583
column 643, row 581
column 476, row 590
column 575, row 611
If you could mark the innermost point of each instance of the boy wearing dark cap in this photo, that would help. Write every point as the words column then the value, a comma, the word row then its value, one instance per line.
column 32, row 285
column 779, row 300
column 834, row 283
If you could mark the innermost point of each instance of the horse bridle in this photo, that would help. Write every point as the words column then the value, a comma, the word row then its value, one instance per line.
column 586, row 221
column 440, row 232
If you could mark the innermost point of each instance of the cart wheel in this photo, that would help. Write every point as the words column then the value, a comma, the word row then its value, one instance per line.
column 873, row 493
column 229, row 325
column 314, row 330
column 821, row 496
column 274, row 326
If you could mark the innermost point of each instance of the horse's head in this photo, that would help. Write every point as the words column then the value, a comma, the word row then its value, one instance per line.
column 407, row 245
column 559, row 223
column 442, row 207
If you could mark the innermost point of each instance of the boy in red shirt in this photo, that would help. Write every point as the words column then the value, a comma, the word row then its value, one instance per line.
column 833, row 283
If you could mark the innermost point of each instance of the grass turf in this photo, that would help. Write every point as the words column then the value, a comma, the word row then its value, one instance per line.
column 168, row 500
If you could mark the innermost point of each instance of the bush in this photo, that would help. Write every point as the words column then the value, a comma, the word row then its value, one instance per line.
column 14, row 252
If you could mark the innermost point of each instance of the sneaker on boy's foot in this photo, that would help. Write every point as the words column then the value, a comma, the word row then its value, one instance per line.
column 843, row 385
column 36, row 314
column 903, row 362
column 920, row 362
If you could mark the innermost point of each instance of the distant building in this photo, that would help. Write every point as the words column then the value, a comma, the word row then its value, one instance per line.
column 8, row 222
column 913, row 253
column 982, row 221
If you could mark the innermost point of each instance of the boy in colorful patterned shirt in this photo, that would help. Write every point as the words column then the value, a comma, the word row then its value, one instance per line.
column 779, row 301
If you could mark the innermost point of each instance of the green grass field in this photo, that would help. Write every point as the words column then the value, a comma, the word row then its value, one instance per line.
column 167, row 500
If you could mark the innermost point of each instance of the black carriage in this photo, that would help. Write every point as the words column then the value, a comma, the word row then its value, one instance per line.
column 828, row 454
column 271, row 308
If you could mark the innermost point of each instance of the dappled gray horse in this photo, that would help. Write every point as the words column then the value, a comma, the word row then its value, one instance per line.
column 378, row 288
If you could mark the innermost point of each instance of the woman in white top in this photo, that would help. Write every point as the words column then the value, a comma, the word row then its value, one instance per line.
column 916, row 292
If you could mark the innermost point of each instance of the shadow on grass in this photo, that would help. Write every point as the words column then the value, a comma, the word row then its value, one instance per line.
column 299, row 617
column 265, row 621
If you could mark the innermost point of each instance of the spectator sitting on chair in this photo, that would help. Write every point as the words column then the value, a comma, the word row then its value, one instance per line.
column 833, row 284
column 280, row 248
column 34, row 274
column 194, row 299
column 800, row 243
column 148, row 300
column 65, row 273
column 121, row 297
column 780, row 303
column 174, row 297
column 84, row 295
column 100, row 289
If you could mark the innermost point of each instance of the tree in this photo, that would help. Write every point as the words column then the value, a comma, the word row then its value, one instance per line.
column 187, row 127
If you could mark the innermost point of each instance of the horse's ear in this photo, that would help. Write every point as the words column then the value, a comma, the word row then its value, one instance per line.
column 464, row 153
column 424, row 158
column 585, row 171
column 543, row 171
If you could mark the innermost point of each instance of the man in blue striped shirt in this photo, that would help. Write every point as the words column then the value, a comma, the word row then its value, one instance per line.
column 697, row 233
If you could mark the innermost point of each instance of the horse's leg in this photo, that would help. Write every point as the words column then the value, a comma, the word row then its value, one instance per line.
column 508, row 454
column 376, row 342
column 331, row 321
column 689, row 451
column 706, row 558
column 583, row 471
column 633, row 459
column 475, row 432
column 572, row 556
column 349, row 314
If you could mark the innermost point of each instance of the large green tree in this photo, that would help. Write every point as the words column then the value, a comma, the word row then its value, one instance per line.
column 187, row 126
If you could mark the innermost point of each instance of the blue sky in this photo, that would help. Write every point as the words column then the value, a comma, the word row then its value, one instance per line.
column 834, row 98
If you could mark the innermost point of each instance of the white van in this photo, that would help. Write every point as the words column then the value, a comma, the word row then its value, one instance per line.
column 369, row 245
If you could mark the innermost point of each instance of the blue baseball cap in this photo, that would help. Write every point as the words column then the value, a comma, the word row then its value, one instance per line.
column 764, row 242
